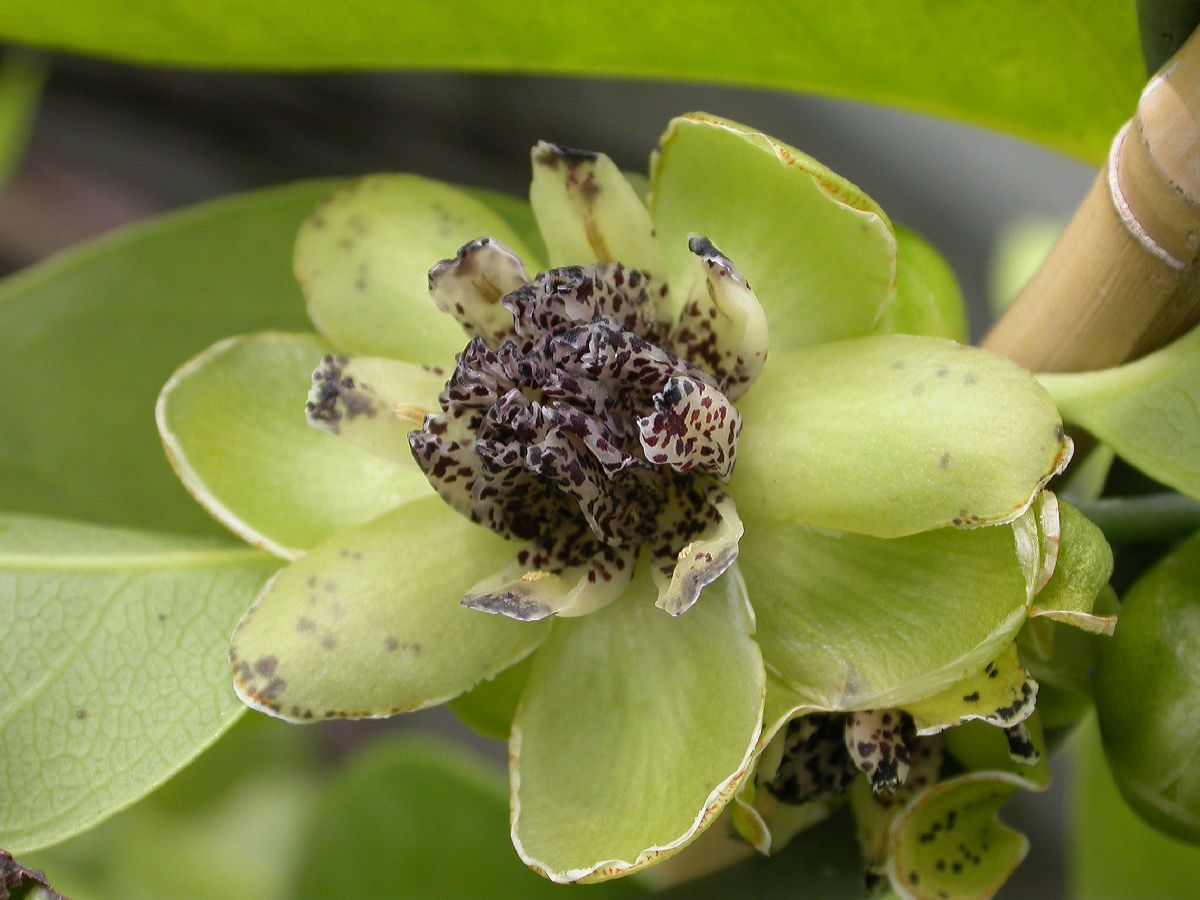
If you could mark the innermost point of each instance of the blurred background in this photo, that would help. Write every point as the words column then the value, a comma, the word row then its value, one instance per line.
column 112, row 145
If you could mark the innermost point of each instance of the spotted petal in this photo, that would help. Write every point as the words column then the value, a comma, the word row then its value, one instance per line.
column 588, row 212
column 363, row 257
column 529, row 594
column 709, row 523
column 373, row 403
column 722, row 327
column 633, row 732
column 856, row 622
column 369, row 623
column 232, row 422
column 469, row 287
column 894, row 435
column 820, row 254
column 1001, row 694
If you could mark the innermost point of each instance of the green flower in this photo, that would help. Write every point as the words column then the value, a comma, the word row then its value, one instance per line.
column 840, row 565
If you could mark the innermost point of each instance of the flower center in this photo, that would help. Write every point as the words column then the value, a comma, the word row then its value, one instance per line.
column 577, row 430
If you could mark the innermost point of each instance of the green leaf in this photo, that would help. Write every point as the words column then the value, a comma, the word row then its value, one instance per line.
column 1148, row 410
column 363, row 259
column 893, row 435
column 243, row 803
column 233, row 424
column 1148, row 695
column 95, row 332
column 21, row 78
column 417, row 818
column 1064, row 74
column 369, row 622
column 634, row 730
column 856, row 622
column 116, row 674
column 928, row 299
column 818, row 253
column 1113, row 853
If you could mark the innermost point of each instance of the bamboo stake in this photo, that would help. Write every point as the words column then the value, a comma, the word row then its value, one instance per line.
column 1124, row 277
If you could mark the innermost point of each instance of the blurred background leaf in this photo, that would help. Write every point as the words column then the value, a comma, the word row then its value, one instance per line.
column 21, row 78
column 1064, row 74
column 1114, row 855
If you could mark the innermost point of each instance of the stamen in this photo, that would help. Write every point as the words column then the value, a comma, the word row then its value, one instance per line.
column 570, row 426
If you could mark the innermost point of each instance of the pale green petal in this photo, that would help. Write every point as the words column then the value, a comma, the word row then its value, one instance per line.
column 1001, row 694
column 1148, row 411
column 369, row 622
column 588, row 212
column 893, row 435
column 373, row 403
column 488, row 708
column 1083, row 566
column 363, row 259
column 818, row 252
column 954, row 822
column 855, row 622
column 928, row 299
column 634, row 730
column 232, row 421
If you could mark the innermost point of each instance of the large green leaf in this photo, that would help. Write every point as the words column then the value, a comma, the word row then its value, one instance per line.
column 229, row 825
column 95, row 332
column 1066, row 74
column 1114, row 854
column 114, row 673
column 1147, row 410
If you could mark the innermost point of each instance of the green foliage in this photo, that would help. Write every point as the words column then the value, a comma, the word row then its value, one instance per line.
column 1145, row 410
column 1114, row 854
column 420, row 819
column 1148, row 695
column 95, row 332
column 120, row 677
column 21, row 78
column 1065, row 74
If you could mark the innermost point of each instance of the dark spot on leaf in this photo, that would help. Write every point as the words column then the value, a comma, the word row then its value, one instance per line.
column 266, row 666
column 390, row 644
column 81, row 714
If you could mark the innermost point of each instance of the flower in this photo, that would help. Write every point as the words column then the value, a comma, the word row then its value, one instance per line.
column 866, row 462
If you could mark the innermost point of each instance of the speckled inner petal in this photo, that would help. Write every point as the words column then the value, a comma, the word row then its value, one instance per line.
column 372, row 403
column 697, row 541
column 878, row 742
column 470, row 285
column 584, row 437
column 1020, row 745
column 722, row 328
column 815, row 763
column 694, row 428
column 521, row 591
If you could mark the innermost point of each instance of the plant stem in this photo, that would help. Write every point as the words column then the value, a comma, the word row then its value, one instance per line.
column 1145, row 519
column 1124, row 277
